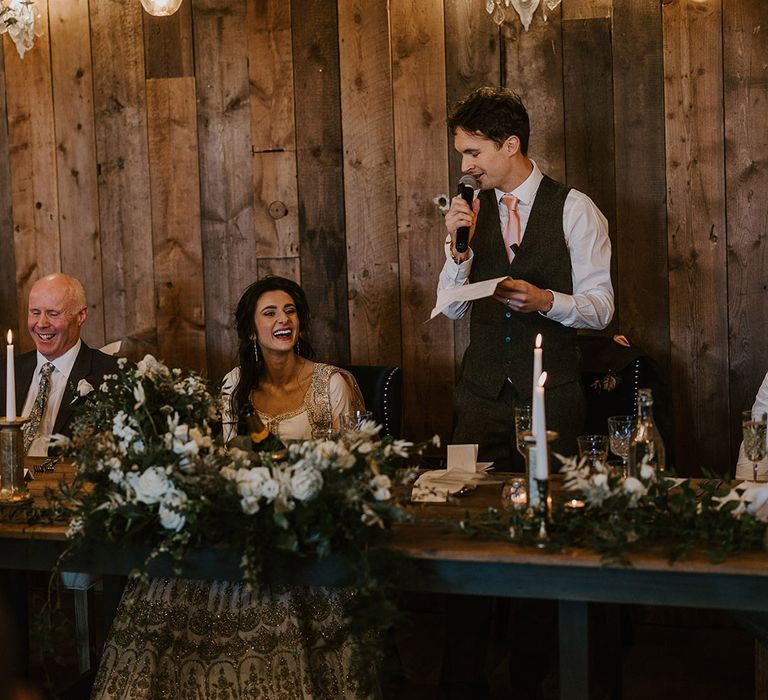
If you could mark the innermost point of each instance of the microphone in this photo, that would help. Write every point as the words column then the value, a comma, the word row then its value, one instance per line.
column 467, row 187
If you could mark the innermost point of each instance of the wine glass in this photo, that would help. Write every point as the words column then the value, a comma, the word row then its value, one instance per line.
column 523, row 427
column 753, row 428
column 619, row 434
column 594, row 448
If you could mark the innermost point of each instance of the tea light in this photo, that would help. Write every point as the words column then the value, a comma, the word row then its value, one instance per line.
column 574, row 504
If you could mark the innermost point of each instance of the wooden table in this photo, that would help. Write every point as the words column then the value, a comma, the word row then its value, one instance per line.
column 449, row 562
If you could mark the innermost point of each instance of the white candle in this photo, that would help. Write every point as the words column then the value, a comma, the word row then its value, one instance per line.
column 540, row 428
column 537, row 362
column 10, row 382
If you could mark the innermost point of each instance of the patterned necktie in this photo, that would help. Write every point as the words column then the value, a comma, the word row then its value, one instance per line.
column 511, row 232
column 38, row 408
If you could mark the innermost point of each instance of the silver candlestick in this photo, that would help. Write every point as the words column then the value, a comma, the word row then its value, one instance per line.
column 13, row 488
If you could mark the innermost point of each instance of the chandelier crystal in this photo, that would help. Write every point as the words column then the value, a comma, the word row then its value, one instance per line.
column 524, row 8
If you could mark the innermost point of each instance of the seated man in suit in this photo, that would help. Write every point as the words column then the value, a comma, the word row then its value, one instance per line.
column 46, row 378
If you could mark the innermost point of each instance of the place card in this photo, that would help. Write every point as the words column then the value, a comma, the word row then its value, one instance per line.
column 462, row 458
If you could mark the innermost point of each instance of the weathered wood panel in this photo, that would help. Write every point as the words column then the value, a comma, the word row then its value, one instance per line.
column 9, row 309
column 588, row 107
column 270, row 67
column 369, row 183
column 33, row 165
column 123, row 174
column 284, row 267
column 319, row 167
column 76, row 157
column 421, row 156
column 695, row 208
column 745, row 48
column 168, row 49
column 176, row 239
column 226, row 191
column 472, row 60
column 534, row 69
column 641, row 218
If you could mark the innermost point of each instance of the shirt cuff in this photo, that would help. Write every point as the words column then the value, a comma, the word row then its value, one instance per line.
column 561, row 306
column 460, row 266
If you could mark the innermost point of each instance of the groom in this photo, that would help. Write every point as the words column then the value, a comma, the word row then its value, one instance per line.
column 46, row 378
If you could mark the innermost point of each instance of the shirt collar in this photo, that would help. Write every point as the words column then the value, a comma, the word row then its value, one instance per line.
column 526, row 190
column 64, row 363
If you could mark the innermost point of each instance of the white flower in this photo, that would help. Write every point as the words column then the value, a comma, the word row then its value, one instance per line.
column 634, row 488
column 647, row 472
column 599, row 481
column 84, row 387
column 306, row 483
column 270, row 489
column 200, row 439
column 122, row 362
column 151, row 486
column 139, row 395
column 381, row 485
column 171, row 510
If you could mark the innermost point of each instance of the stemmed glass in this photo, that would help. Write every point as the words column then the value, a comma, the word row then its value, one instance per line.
column 753, row 428
column 619, row 434
column 523, row 428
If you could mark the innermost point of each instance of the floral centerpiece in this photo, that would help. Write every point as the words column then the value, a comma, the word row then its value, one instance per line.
column 149, row 471
column 18, row 17
column 614, row 514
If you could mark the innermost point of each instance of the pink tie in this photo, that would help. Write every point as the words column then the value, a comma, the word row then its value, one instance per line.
column 511, row 232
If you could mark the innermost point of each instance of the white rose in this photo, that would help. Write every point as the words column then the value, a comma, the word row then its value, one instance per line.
column 634, row 487
column 151, row 486
column 172, row 510
column 251, row 481
column 270, row 489
column 381, row 485
column 647, row 472
column 306, row 483
column 250, row 505
column 84, row 387
column 200, row 439
column 759, row 505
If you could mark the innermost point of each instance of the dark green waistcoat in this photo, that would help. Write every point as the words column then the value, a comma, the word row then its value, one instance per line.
column 501, row 341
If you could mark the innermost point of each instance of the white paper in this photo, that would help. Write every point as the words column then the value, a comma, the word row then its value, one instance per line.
column 462, row 458
column 467, row 292
column 436, row 485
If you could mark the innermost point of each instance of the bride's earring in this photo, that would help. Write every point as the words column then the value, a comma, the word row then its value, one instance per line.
column 297, row 347
column 256, row 350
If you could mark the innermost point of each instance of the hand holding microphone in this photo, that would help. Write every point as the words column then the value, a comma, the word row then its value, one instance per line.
column 466, row 190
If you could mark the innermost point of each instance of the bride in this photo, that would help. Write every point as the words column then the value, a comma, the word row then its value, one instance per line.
column 177, row 638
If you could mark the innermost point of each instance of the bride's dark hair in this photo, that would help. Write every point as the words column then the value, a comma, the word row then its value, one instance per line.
column 251, row 369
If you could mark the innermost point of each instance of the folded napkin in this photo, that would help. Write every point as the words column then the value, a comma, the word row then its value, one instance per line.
column 436, row 485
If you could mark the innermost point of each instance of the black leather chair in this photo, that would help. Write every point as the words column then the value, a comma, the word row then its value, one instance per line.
column 382, row 389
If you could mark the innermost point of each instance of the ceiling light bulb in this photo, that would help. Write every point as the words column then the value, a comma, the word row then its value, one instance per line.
column 161, row 8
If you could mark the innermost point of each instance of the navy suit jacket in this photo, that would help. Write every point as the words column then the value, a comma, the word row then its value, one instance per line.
column 90, row 365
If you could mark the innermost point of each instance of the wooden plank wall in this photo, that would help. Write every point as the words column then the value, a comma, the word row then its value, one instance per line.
column 169, row 162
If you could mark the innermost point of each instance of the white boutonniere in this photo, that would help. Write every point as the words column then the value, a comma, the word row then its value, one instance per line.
column 84, row 388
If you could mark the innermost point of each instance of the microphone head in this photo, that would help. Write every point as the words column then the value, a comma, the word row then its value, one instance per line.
column 470, row 181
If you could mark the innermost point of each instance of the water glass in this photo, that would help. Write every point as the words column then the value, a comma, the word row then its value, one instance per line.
column 594, row 448
column 619, row 435
column 754, row 431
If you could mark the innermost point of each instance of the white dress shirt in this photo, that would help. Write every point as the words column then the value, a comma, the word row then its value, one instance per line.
column 586, row 235
column 744, row 465
column 62, row 367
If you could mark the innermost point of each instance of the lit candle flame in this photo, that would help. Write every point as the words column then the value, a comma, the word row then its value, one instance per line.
column 538, row 340
column 542, row 378
column 10, row 337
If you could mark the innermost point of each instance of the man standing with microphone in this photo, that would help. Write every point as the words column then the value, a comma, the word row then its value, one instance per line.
column 553, row 242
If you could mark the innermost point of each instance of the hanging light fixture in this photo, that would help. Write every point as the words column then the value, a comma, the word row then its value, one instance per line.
column 161, row 8
column 524, row 8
